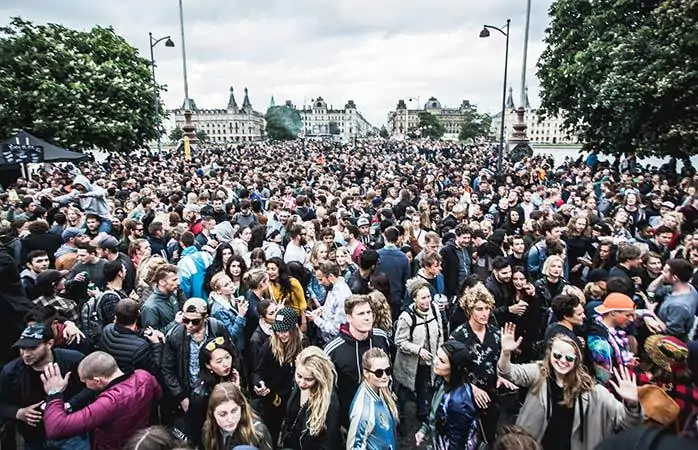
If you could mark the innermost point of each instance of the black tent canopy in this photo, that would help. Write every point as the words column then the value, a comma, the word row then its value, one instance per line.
column 52, row 153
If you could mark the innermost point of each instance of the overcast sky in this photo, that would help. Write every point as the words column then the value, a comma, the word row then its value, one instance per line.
column 371, row 51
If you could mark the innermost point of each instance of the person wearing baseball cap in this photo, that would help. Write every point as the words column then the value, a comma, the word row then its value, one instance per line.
column 180, row 360
column 607, row 342
column 272, row 376
column 109, row 248
column 66, row 255
column 22, row 391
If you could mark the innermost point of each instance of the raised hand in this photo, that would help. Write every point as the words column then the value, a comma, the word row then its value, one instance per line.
column 626, row 385
column 509, row 341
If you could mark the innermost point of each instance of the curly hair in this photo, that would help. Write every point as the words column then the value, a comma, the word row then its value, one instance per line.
column 472, row 295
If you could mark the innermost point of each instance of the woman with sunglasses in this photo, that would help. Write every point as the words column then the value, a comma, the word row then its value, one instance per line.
column 452, row 421
column 565, row 409
column 230, row 421
column 312, row 414
column 219, row 362
column 229, row 310
column 373, row 414
column 272, row 376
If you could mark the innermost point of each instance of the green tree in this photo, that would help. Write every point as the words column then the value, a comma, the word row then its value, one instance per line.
column 176, row 134
column 623, row 74
column 474, row 126
column 79, row 89
column 429, row 126
column 283, row 123
column 334, row 128
column 201, row 136
column 384, row 132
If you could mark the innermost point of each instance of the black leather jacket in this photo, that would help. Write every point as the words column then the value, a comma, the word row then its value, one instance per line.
column 175, row 359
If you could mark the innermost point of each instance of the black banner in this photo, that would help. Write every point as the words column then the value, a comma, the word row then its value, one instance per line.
column 22, row 153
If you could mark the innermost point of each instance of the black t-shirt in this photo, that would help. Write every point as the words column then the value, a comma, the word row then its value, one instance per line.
column 558, row 435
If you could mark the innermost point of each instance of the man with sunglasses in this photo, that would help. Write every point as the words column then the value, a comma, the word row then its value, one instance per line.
column 180, row 362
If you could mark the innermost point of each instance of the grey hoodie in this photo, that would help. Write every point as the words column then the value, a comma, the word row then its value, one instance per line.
column 94, row 200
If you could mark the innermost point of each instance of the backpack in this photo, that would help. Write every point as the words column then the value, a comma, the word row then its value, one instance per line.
column 91, row 318
column 413, row 316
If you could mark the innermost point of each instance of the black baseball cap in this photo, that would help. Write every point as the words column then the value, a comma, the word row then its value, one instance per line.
column 34, row 335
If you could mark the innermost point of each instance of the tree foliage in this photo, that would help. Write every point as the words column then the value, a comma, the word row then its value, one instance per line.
column 79, row 89
column 624, row 74
column 201, row 135
column 384, row 132
column 176, row 134
column 474, row 126
column 429, row 126
column 283, row 123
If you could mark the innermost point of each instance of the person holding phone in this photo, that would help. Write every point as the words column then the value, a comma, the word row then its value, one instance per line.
column 273, row 373
column 229, row 310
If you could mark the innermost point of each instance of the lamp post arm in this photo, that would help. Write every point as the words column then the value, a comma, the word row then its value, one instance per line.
column 153, row 42
column 492, row 27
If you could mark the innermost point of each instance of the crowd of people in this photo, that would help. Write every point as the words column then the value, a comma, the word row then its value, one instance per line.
column 380, row 295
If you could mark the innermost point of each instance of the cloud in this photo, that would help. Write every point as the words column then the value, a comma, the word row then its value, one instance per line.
column 374, row 52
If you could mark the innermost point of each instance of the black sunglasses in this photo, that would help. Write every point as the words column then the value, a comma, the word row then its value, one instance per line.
column 195, row 322
column 381, row 372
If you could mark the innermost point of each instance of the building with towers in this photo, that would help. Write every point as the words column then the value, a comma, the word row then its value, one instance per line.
column 226, row 125
column 404, row 120
column 319, row 119
column 548, row 130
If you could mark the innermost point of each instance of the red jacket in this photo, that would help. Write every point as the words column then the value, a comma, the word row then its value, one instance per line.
column 117, row 413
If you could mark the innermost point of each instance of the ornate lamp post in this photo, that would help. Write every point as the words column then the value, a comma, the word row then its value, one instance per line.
column 153, row 43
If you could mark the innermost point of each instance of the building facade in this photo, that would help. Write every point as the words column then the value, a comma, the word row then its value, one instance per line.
column 403, row 120
column 347, row 123
column 229, row 125
column 540, row 130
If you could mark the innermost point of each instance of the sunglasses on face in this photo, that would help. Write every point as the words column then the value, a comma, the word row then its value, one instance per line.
column 211, row 346
column 195, row 322
column 381, row 372
column 568, row 357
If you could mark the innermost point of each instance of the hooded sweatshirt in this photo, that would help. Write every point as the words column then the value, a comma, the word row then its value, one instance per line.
column 92, row 201
column 346, row 353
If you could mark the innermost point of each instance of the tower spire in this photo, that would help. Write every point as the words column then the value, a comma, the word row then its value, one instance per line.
column 527, row 105
column 510, row 99
column 272, row 103
column 232, row 104
column 246, row 105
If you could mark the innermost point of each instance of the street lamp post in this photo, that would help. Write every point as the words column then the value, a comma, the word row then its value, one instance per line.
column 483, row 34
column 153, row 43
column 189, row 129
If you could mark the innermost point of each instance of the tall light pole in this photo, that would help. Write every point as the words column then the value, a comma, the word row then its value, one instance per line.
column 519, row 139
column 188, row 128
column 153, row 43
column 483, row 34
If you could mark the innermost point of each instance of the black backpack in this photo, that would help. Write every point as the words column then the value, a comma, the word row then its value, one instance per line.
column 413, row 316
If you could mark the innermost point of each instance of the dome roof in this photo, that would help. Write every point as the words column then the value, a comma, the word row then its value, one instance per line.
column 433, row 103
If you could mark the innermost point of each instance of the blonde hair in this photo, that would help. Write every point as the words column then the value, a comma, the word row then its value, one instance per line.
column 575, row 382
column 382, row 318
column 322, row 369
column 217, row 280
column 574, row 291
column 474, row 294
column 148, row 267
column 254, row 277
column 314, row 254
column 593, row 290
column 286, row 353
column 384, row 392
column 409, row 229
column 548, row 262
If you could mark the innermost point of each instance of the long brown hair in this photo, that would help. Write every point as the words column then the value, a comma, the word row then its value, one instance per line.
column 245, row 431
column 286, row 353
column 575, row 382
